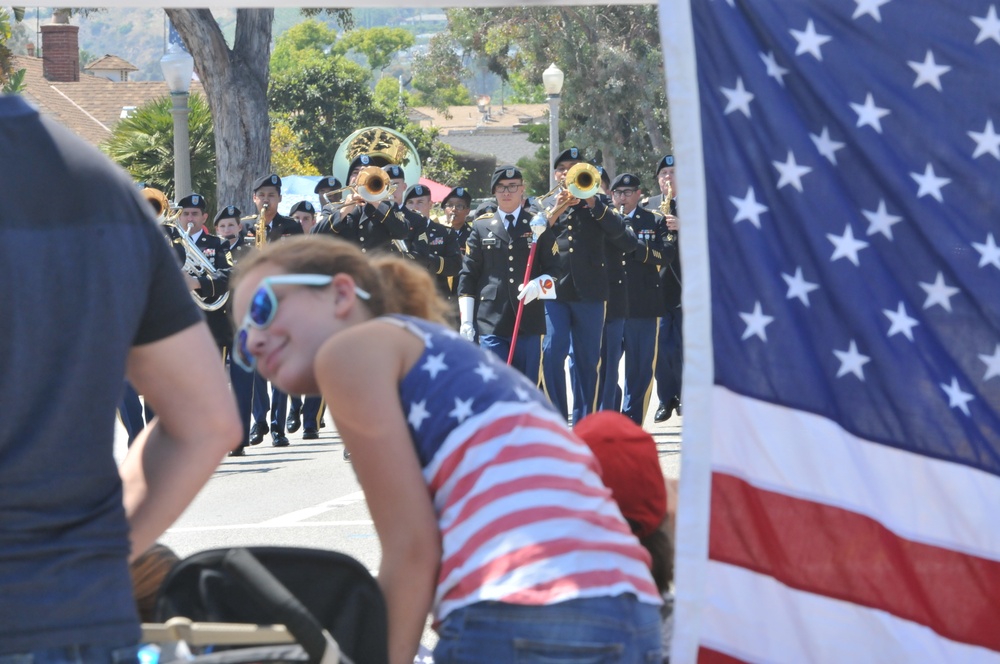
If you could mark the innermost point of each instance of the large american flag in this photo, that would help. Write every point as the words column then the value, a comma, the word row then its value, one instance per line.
column 839, row 182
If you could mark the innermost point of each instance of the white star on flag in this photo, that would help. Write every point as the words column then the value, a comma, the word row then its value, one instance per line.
column 434, row 365
column 956, row 397
column 851, row 361
column 418, row 413
column 989, row 26
column 987, row 141
column 738, row 98
column 522, row 393
column 462, row 409
column 756, row 321
column 748, row 209
column 928, row 71
column 930, row 183
column 826, row 146
column 880, row 221
column 809, row 41
column 992, row 363
column 791, row 173
column 900, row 322
column 938, row 293
column 869, row 7
column 798, row 286
column 869, row 114
column 845, row 246
column 989, row 253
column 774, row 70
column 487, row 372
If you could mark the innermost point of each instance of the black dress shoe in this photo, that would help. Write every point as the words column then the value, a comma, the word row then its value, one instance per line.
column 310, row 434
column 239, row 451
column 257, row 433
column 662, row 413
column 293, row 423
column 347, row 455
column 279, row 439
column 675, row 403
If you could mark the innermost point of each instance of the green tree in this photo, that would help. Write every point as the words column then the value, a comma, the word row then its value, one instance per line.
column 304, row 45
column 438, row 75
column 11, row 81
column 378, row 45
column 286, row 153
column 613, row 99
column 143, row 144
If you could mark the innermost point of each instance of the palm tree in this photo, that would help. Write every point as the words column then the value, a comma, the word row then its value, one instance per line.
column 143, row 144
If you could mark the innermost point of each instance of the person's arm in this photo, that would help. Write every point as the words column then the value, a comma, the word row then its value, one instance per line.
column 197, row 423
column 358, row 372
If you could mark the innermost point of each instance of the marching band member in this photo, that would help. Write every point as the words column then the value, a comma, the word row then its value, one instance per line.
column 670, row 346
column 266, row 196
column 304, row 212
column 645, row 294
column 496, row 259
column 456, row 206
column 431, row 244
column 369, row 225
column 575, row 318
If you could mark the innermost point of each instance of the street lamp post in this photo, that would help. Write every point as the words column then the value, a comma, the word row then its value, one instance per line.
column 178, row 65
column 552, row 81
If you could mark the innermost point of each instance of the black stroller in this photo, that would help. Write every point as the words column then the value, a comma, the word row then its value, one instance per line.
column 275, row 604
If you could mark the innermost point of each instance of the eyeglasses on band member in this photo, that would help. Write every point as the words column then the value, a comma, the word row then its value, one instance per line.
column 264, row 307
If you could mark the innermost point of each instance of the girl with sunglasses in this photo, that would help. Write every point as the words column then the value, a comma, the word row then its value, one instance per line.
column 488, row 509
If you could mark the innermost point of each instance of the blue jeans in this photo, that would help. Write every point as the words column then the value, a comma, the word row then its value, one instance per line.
column 594, row 630
column 79, row 654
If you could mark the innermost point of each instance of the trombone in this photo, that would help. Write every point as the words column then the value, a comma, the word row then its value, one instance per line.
column 373, row 185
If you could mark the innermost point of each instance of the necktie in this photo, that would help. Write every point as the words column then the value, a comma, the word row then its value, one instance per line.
column 510, row 222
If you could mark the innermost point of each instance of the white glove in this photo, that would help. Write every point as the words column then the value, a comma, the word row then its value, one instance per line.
column 466, row 328
column 540, row 288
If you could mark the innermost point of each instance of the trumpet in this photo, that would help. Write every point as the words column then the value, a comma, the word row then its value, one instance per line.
column 582, row 181
column 196, row 265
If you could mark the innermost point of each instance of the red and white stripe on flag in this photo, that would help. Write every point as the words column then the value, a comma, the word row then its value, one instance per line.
column 836, row 168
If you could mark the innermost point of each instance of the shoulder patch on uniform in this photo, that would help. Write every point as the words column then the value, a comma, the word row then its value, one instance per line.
column 487, row 215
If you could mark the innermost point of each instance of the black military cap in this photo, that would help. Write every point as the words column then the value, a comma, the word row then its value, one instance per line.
column 569, row 154
column 505, row 173
column 666, row 162
column 605, row 178
column 625, row 180
column 271, row 180
column 395, row 172
column 193, row 201
column 459, row 192
column 302, row 206
column 228, row 212
column 327, row 182
column 363, row 160
column 415, row 190
column 489, row 207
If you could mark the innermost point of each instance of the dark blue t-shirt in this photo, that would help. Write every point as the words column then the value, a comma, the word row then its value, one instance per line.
column 85, row 274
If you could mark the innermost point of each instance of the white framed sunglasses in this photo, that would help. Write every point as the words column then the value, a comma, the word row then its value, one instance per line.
column 264, row 307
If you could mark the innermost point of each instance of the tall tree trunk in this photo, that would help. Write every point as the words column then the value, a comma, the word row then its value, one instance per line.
column 235, row 81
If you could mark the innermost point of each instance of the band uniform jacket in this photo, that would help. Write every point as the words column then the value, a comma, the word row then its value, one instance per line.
column 436, row 248
column 577, row 259
column 670, row 271
column 645, row 293
column 616, row 250
column 369, row 226
column 493, row 268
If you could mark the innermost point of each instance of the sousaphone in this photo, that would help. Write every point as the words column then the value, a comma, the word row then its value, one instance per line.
column 382, row 142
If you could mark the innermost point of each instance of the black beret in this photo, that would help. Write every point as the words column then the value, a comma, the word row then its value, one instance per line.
column 271, row 180
column 395, row 172
column 327, row 182
column 605, row 178
column 363, row 160
column 625, row 180
column 459, row 192
column 569, row 154
column 666, row 162
column 193, row 201
column 489, row 207
column 505, row 173
column 415, row 190
column 228, row 212
column 302, row 206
